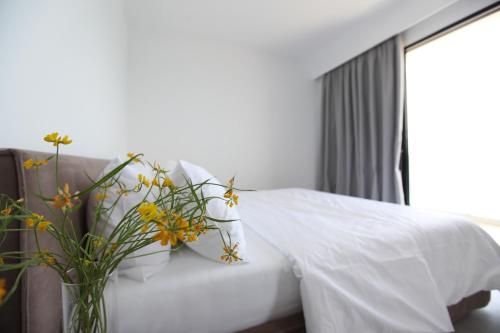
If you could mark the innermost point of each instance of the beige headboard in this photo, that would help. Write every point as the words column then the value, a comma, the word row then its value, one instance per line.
column 36, row 307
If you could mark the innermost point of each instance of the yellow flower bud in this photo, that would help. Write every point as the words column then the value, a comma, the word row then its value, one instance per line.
column 28, row 164
column 30, row 222
column 101, row 196
column 6, row 212
column 167, row 182
column 42, row 226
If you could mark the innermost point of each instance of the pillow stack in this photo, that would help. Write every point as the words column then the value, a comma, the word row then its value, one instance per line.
column 209, row 245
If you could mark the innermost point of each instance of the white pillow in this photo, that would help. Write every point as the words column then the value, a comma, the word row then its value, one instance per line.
column 135, row 268
column 210, row 245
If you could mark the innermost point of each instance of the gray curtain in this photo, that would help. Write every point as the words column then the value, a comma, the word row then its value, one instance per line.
column 363, row 104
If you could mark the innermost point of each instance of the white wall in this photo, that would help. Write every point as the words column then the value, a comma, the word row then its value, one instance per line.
column 357, row 36
column 226, row 108
column 63, row 68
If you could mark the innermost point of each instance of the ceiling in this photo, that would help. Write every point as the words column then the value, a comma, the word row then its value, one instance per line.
column 318, row 34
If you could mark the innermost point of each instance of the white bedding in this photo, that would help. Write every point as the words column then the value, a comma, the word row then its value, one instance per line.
column 183, row 297
column 366, row 266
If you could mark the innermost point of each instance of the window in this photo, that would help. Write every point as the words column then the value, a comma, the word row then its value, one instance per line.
column 453, row 117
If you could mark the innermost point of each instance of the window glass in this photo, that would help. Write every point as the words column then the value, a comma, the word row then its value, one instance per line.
column 453, row 105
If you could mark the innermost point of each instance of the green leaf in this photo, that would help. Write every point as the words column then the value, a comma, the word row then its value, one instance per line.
column 107, row 177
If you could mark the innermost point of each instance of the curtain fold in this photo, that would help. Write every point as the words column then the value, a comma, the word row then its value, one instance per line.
column 363, row 104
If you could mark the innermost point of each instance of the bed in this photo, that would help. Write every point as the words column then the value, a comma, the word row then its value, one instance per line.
column 265, row 295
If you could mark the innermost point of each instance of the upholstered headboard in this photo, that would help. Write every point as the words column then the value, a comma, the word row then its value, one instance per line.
column 36, row 307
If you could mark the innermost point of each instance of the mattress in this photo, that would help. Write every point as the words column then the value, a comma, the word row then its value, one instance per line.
column 195, row 294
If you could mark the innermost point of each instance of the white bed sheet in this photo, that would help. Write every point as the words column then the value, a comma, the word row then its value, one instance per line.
column 195, row 294
column 367, row 266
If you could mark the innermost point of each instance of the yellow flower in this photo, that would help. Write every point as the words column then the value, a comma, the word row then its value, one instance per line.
column 155, row 182
column 145, row 228
column 101, row 196
column 66, row 140
column 1, row 261
column 97, row 243
column 166, row 236
column 57, row 140
column 42, row 226
column 161, row 216
column 30, row 222
column 232, row 199
column 167, row 182
column 35, row 218
column 52, row 137
column 191, row 237
column 230, row 254
column 3, row 290
column 163, row 235
column 60, row 201
column 181, row 222
column 179, row 235
column 173, row 239
column 63, row 199
column 148, row 211
column 131, row 155
column 28, row 164
column 143, row 180
column 6, row 212
column 200, row 227
column 47, row 258
column 50, row 260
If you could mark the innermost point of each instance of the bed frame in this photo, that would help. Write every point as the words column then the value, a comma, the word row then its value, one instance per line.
column 36, row 306
column 296, row 323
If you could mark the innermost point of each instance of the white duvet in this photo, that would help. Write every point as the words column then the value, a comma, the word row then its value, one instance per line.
column 366, row 266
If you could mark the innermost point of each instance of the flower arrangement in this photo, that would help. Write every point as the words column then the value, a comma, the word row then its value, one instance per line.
column 169, row 214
